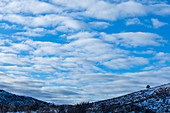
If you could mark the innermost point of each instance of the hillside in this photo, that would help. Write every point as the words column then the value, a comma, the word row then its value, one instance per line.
column 7, row 98
column 156, row 99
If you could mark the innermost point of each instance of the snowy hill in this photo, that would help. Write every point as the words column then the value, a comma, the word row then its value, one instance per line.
column 12, row 99
column 156, row 99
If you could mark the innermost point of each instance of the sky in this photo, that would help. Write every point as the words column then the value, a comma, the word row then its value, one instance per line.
column 73, row 51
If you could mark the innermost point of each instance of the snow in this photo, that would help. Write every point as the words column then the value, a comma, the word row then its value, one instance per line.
column 156, row 99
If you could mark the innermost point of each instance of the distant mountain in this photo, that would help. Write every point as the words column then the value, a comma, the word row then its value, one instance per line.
column 7, row 98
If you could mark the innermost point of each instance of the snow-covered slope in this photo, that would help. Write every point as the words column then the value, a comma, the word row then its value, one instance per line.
column 156, row 99
column 12, row 99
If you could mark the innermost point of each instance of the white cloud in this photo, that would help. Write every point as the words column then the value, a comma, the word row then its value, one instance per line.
column 45, row 21
column 163, row 57
column 128, row 39
column 1, row 16
column 126, row 63
column 6, row 26
column 21, row 47
column 145, row 52
column 160, row 9
column 114, row 10
column 139, row 39
column 108, row 11
column 143, row 1
column 3, row 41
column 156, row 23
column 11, row 59
column 17, row 72
column 36, row 32
column 17, row 68
column 134, row 39
column 99, row 25
column 134, row 21
column 75, row 4
column 90, row 8
column 46, row 48
column 25, row 6
column 5, row 49
column 83, row 35
column 149, row 68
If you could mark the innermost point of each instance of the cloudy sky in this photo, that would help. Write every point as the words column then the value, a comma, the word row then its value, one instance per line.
column 72, row 51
